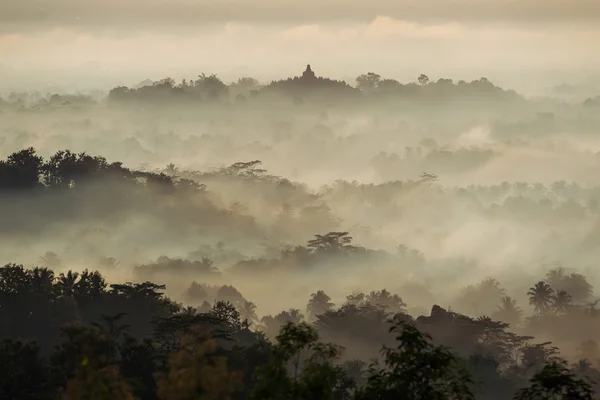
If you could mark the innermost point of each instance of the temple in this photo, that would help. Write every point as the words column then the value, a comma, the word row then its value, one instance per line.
column 308, row 83
column 308, row 73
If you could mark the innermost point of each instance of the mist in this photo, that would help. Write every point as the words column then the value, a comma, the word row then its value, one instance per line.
column 339, row 165
column 98, row 45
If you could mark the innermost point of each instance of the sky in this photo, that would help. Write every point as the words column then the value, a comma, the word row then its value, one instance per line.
column 100, row 43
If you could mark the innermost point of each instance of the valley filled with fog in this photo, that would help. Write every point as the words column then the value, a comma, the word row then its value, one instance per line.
column 415, row 195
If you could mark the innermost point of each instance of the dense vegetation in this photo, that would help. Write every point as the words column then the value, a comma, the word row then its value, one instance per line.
column 74, row 335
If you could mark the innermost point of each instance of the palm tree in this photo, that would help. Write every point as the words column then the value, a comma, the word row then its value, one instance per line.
column 561, row 302
column 247, row 311
column 508, row 311
column 541, row 297
column 207, row 264
column 357, row 298
column 319, row 303
column 292, row 315
column 111, row 328
column 66, row 283
column 189, row 310
column 42, row 279
column 384, row 299
column 556, row 381
column 573, row 283
column 171, row 170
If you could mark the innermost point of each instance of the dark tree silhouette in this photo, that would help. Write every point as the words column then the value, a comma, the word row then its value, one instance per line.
column 541, row 297
column 416, row 369
column 319, row 303
column 555, row 381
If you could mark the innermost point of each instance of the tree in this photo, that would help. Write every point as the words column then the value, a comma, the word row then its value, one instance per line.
column 541, row 297
column 171, row 170
column 211, row 85
column 319, row 303
column 92, row 382
column 113, row 331
column 561, row 302
column 301, row 367
column 423, row 79
column 195, row 371
column 66, row 284
column 384, row 299
column 246, row 84
column 356, row 298
column 368, row 82
column 573, row 283
column 482, row 298
column 247, row 311
column 227, row 313
column 388, row 86
column 333, row 242
column 21, row 170
column 555, row 381
column 428, row 178
column 416, row 369
column 42, row 280
column 24, row 373
column 508, row 311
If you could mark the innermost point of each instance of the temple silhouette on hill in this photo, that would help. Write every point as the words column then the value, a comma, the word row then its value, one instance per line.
column 309, row 83
column 308, row 73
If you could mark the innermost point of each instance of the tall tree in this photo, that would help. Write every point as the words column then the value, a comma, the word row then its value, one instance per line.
column 247, row 310
column 196, row 371
column 571, row 282
column 555, row 381
column 301, row 367
column 416, row 369
column 319, row 303
column 368, row 82
column 508, row 311
column 561, row 302
column 541, row 297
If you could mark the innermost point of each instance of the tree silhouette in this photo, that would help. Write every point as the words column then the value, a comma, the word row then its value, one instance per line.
column 319, row 303
column 384, row 299
column 555, row 381
column 67, row 283
column 561, row 302
column 573, row 283
column 301, row 366
column 541, row 297
column 423, row 79
column 24, row 372
column 247, row 311
column 113, row 331
column 416, row 369
column 331, row 243
column 368, row 82
column 508, row 311
column 21, row 170
column 171, row 170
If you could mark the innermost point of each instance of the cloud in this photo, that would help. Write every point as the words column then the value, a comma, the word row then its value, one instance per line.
column 18, row 15
column 393, row 47
column 383, row 26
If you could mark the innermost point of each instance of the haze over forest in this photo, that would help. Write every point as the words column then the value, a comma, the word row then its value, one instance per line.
column 96, row 44
column 177, row 172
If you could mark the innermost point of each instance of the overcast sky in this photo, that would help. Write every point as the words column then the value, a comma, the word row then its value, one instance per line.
column 101, row 42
